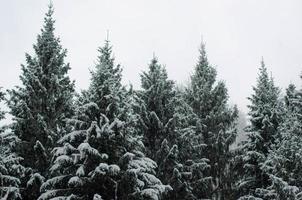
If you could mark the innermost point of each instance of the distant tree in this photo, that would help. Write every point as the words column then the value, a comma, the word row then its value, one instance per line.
column 265, row 113
column 215, row 124
column 241, row 125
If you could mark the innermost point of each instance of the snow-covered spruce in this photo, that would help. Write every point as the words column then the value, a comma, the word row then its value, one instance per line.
column 40, row 106
column 163, row 125
column 10, row 168
column 284, row 159
column 265, row 113
column 215, row 131
column 157, row 109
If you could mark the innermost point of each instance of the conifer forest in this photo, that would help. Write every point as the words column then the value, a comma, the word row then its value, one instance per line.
column 163, row 141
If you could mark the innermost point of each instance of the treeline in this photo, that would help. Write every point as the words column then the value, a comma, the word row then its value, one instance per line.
column 160, row 142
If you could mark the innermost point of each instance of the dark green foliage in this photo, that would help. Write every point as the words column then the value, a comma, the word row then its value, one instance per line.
column 101, row 155
column 162, row 119
column 105, row 89
column 265, row 118
column 43, row 102
column 284, row 159
column 41, row 105
column 160, row 142
column 157, row 96
column 10, row 169
column 215, row 124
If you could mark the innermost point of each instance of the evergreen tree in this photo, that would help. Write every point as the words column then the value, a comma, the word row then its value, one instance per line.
column 157, row 113
column 41, row 105
column 184, row 121
column 265, row 117
column 43, row 102
column 284, row 159
column 215, row 124
column 10, row 169
column 101, row 157
column 162, row 125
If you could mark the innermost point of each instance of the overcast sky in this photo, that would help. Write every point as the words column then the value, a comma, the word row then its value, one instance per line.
column 237, row 34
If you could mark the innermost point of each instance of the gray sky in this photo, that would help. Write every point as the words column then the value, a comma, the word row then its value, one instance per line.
column 237, row 34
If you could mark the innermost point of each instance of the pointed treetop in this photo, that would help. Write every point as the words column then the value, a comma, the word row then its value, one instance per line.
column 203, row 55
column 48, row 26
column 204, row 74
column 263, row 66
column 48, row 15
column 105, row 56
column 265, row 90
column 155, row 66
column 263, row 71
column 50, row 8
column 107, row 72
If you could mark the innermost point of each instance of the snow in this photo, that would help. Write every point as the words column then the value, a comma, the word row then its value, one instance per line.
column 75, row 182
column 71, row 137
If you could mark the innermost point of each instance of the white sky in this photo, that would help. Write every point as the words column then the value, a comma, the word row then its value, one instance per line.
column 237, row 34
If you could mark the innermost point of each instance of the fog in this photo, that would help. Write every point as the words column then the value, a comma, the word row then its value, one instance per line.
column 237, row 34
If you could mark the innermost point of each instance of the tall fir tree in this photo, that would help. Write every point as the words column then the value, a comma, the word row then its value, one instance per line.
column 101, row 157
column 41, row 105
column 215, row 126
column 265, row 113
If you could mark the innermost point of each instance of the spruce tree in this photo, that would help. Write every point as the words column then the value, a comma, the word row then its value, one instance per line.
column 265, row 117
column 101, row 157
column 10, row 169
column 215, row 124
column 157, row 114
column 43, row 102
column 41, row 105
column 162, row 125
column 284, row 159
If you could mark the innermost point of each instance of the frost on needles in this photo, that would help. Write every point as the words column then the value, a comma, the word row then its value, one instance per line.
column 162, row 141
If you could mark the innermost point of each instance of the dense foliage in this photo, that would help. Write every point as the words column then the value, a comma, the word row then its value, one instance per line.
column 262, row 132
column 159, row 142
